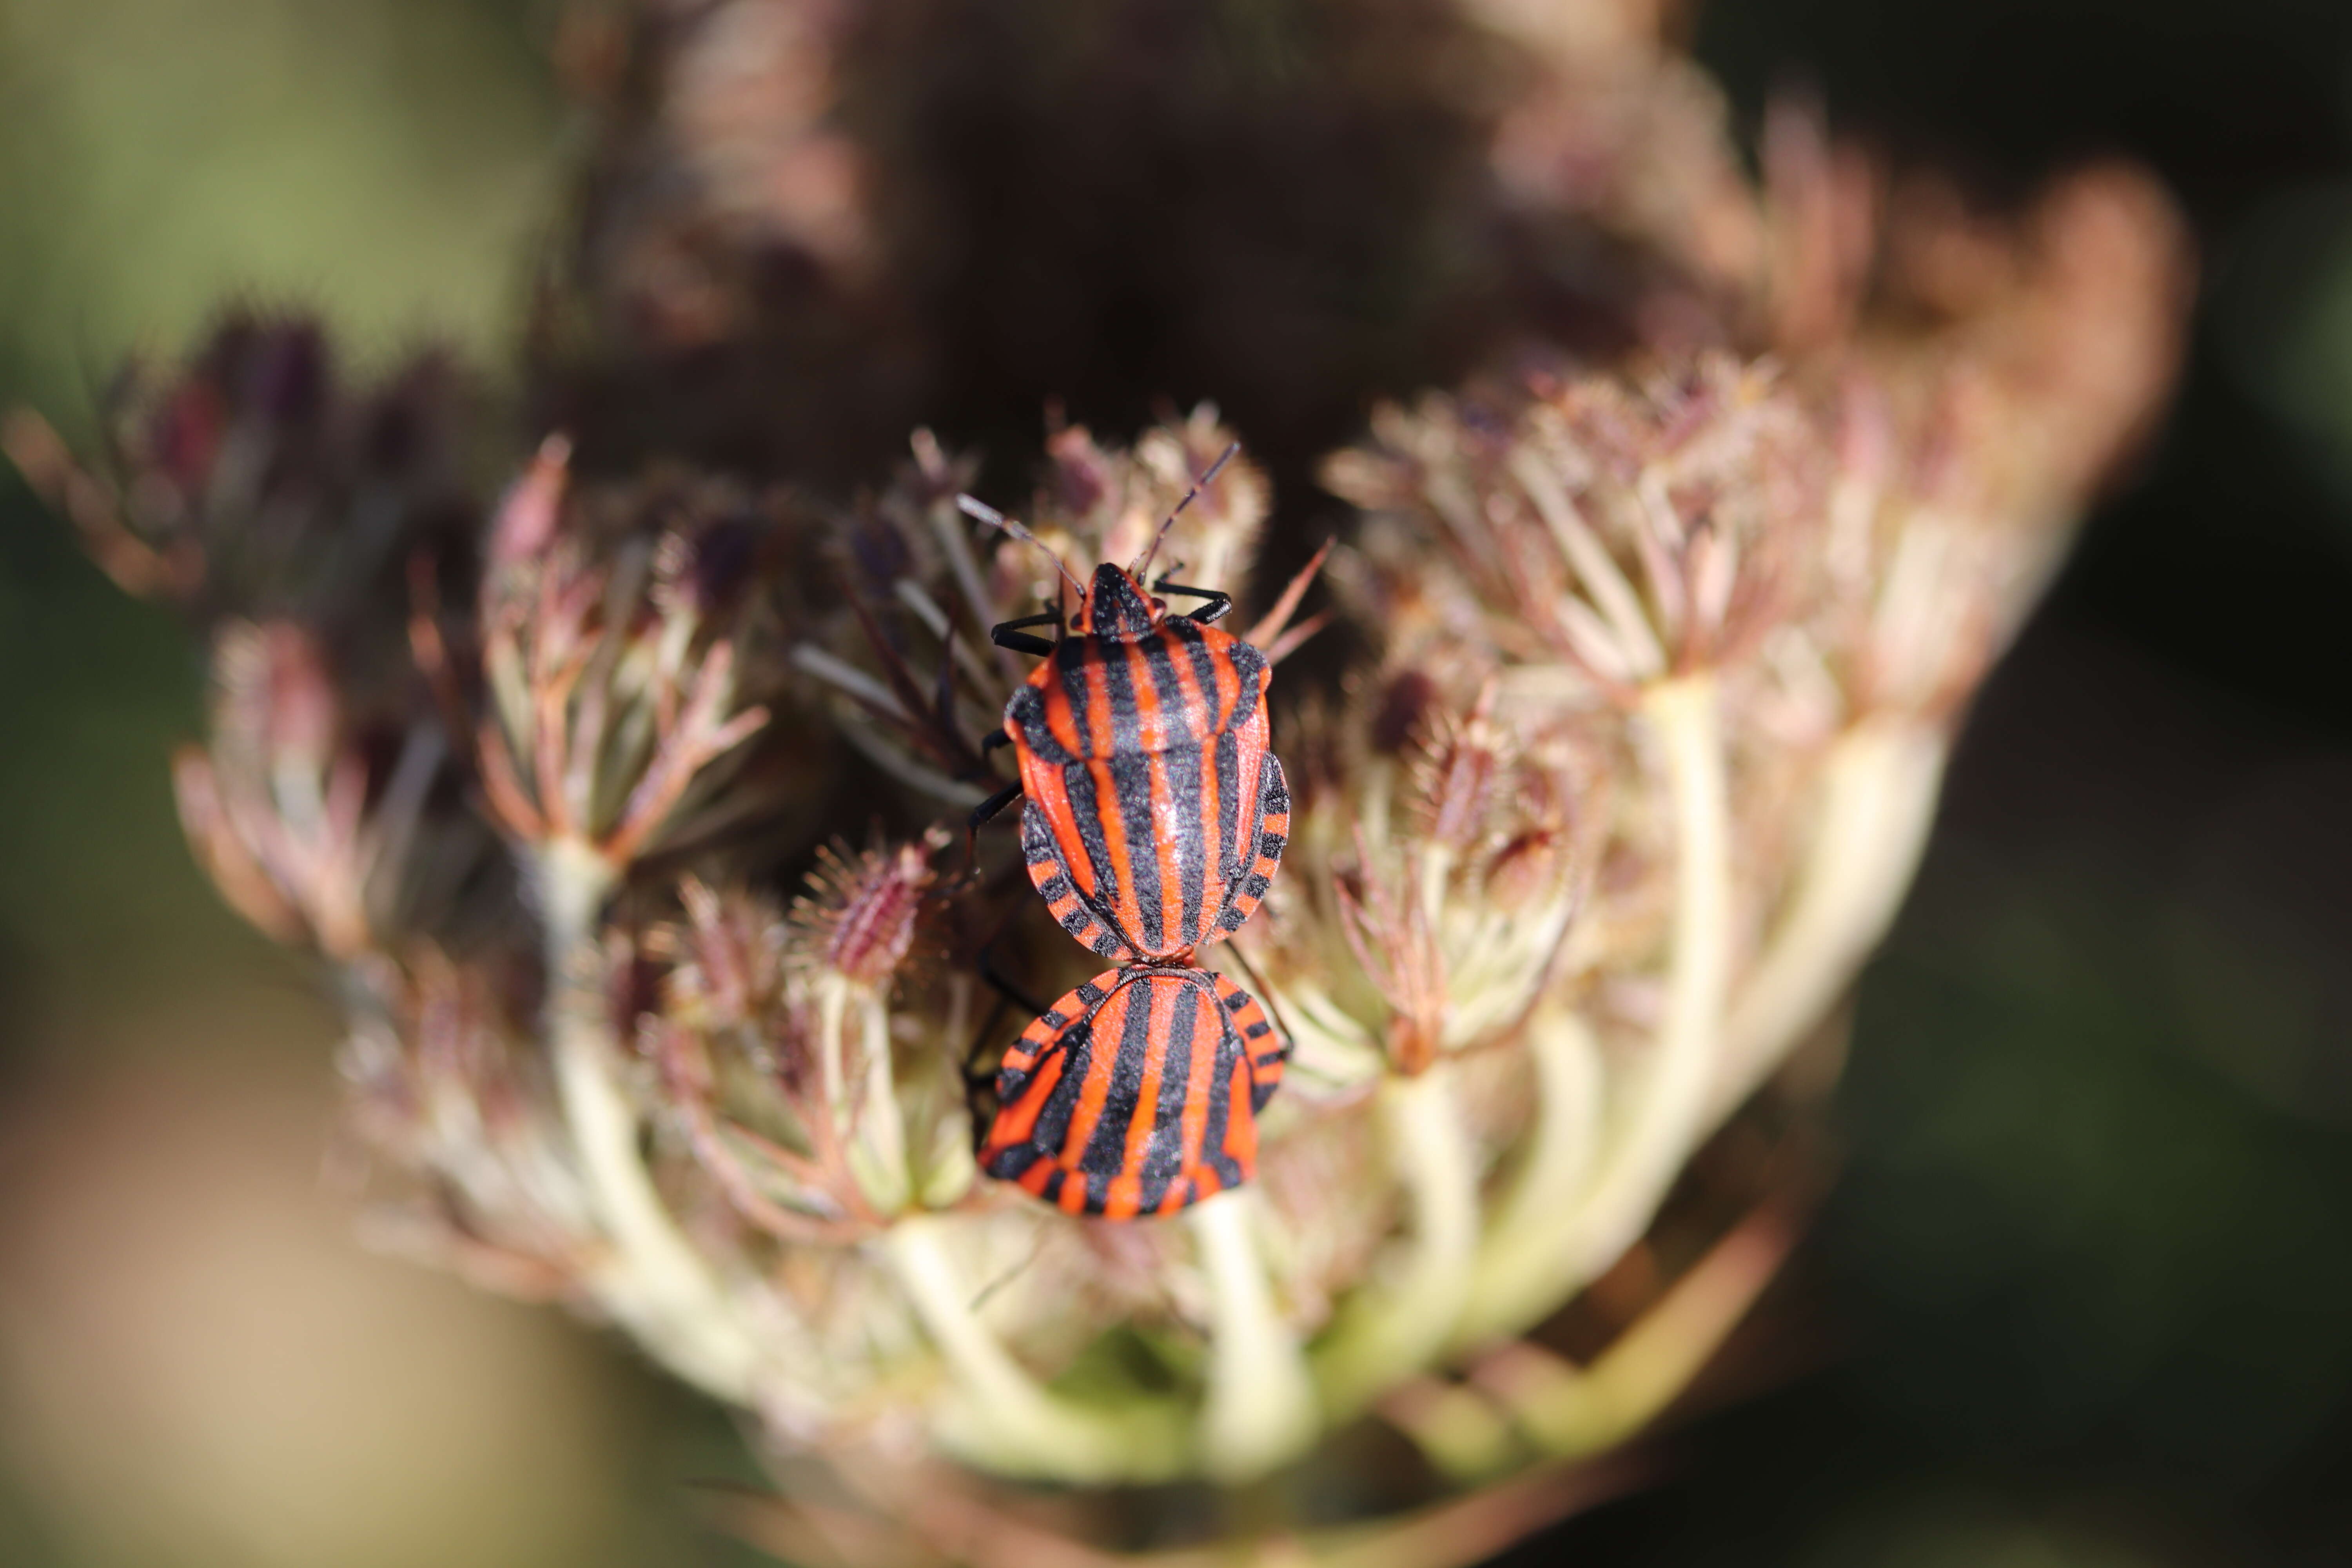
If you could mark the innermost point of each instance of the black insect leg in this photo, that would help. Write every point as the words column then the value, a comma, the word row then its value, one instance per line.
column 1220, row 603
column 982, row 815
column 1009, row 634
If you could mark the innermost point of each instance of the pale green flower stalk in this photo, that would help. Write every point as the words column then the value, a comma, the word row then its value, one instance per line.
column 1611, row 753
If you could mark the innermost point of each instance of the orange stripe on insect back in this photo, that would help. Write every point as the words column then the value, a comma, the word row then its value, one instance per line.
column 1250, row 737
column 1199, row 720
column 1251, row 726
column 1061, row 719
column 1097, row 681
column 1017, row 1120
column 1167, row 850
column 1241, row 1124
column 1201, row 706
column 1229, row 676
column 1102, row 1067
column 1249, row 787
column 1124, row 1195
column 1150, row 713
column 1151, row 726
column 1049, row 790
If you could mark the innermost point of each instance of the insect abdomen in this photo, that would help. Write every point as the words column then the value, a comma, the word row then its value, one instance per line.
column 1142, row 1100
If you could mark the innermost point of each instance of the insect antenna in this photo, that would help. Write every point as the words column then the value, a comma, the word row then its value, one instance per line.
column 979, row 510
column 1143, row 563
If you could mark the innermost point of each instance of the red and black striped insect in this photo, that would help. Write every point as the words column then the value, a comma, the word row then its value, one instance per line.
column 1156, row 814
column 1137, row 1093
column 1156, row 820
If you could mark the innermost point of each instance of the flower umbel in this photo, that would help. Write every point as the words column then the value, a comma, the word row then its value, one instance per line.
column 1608, row 761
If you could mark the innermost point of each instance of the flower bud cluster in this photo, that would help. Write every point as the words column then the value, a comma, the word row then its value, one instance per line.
column 630, row 648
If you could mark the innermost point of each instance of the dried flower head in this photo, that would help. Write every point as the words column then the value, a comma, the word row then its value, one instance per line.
column 629, row 652
column 1651, row 640
column 323, row 824
column 253, row 478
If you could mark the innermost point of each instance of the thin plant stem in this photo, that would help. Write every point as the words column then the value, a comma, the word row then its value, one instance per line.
column 1877, row 801
column 1260, row 1408
column 1406, row 1325
column 1571, row 1413
column 653, row 1277
column 1002, row 1416
column 1671, row 1094
column 878, row 1137
column 1515, row 1281
column 1636, row 642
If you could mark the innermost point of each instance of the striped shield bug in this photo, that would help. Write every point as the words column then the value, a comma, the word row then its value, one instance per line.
column 1156, row 814
column 1137, row 1093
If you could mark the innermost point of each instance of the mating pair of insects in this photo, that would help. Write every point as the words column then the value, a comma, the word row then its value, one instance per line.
column 1156, row 819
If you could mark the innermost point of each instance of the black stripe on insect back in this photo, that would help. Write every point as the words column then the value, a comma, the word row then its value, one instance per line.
column 1189, row 833
column 1221, row 1111
column 1163, row 1156
column 1130, row 772
column 1160, row 666
column 1125, row 714
column 1114, row 607
column 1027, row 711
column 1223, row 748
column 1071, row 663
column 1132, row 775
column 1052, row 1126
column 1179, row 768
column 1106, row 1152
column 1232, row 842
column 1203, row 665
column 1085, row 814
column 1006, row 1165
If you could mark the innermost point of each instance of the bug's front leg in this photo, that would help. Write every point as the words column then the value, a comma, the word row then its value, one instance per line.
column 982, row 815
column 1012, row 634
column 1220, row 603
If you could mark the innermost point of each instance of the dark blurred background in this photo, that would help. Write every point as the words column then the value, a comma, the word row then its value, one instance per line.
column 2084, row 1292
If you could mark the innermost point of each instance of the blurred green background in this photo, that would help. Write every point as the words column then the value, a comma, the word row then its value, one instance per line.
column 197, row 1365
column 2083, row 1293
